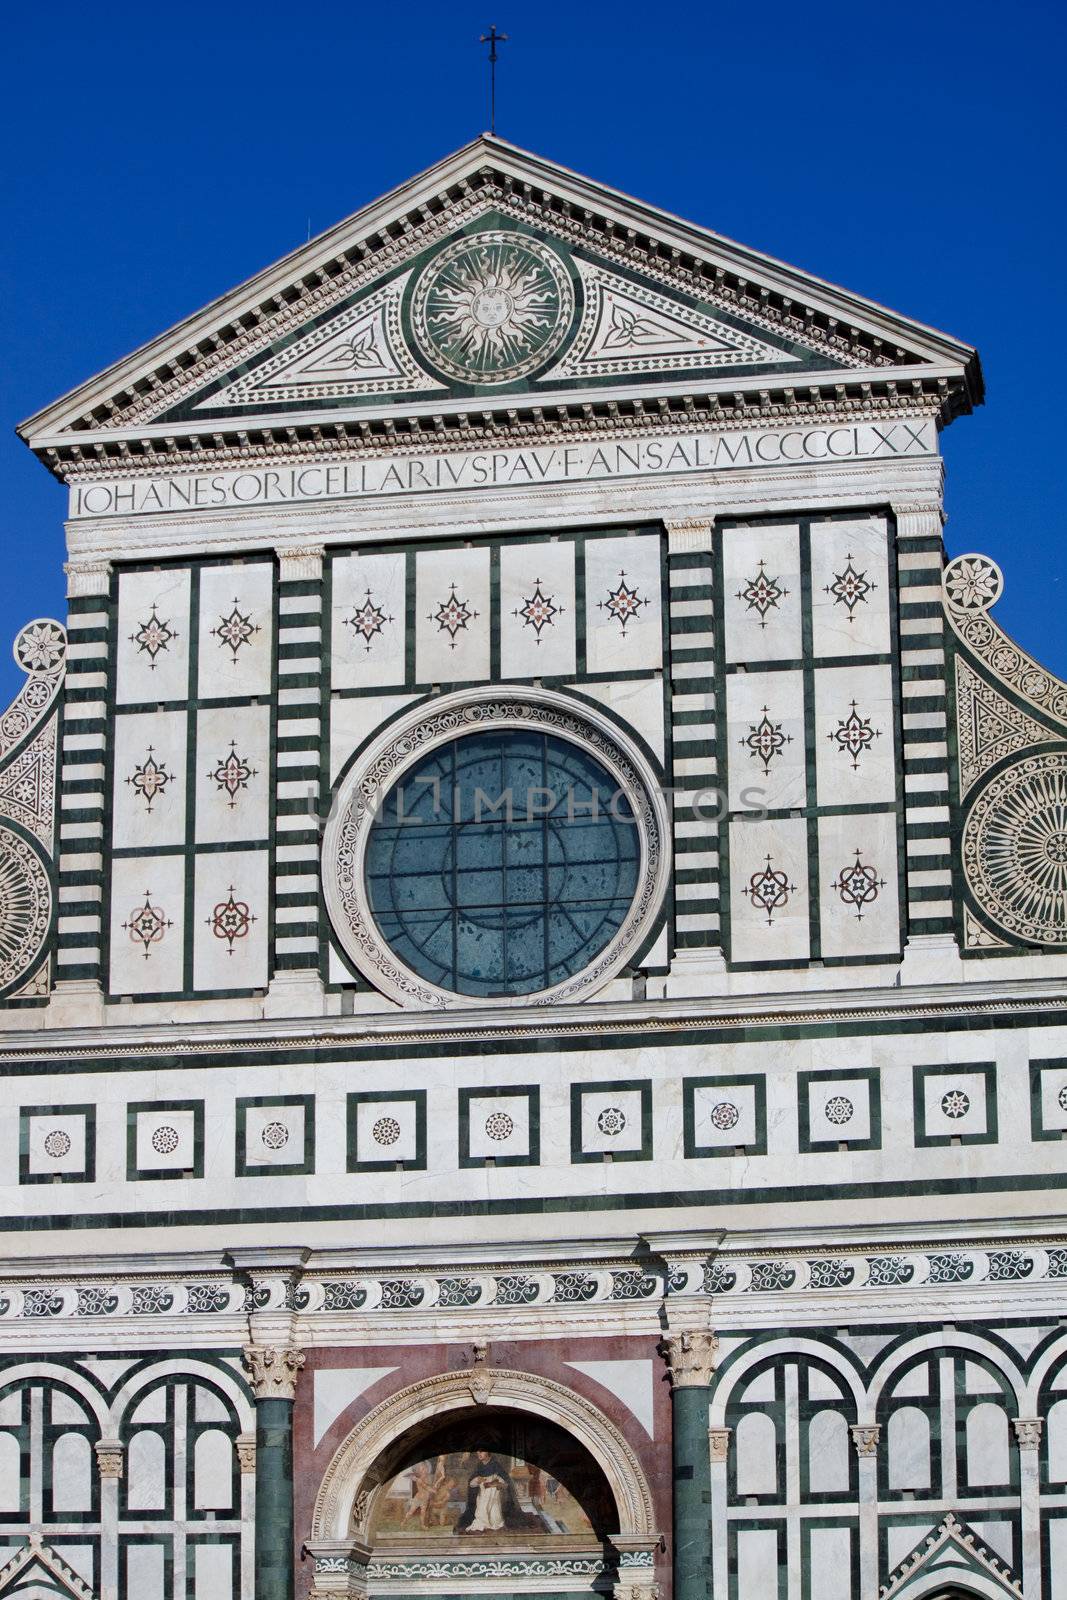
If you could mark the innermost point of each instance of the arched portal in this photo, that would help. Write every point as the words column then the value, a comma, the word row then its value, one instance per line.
column 486, row 1465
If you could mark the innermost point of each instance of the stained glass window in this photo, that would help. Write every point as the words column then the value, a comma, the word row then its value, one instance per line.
column 502, row 863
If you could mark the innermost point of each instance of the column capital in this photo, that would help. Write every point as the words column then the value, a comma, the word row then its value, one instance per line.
column 300, row 561
column 87, row 577
column 340, row 1567
column 690, row 1357
column 865, row 1436
column 719, row 1443
column 1028, row 1432
column 274, row 1370
column 109, row 1457
column 246, row 1452
column 689, row 534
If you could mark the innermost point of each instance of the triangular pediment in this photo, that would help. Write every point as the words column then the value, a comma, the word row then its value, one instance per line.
column 493, row 275
column 36, row 1570
column 951, row 1559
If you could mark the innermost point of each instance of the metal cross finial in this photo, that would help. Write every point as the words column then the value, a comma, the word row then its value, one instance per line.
column 492, row 39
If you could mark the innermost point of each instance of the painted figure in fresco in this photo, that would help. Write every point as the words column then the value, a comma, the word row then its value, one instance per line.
column 492, row 1505
column 430, row 1493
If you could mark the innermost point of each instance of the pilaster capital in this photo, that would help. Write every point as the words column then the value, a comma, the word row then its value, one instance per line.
column 87, row 577
column 865, row 1436
column 246, row 1452
column 300, row 561
column 689, row 534
column 1028, row 1432
column 920, row 519
column 274, row 1370
column 719, row 1443
column 109, row 1457
column 690, row 1357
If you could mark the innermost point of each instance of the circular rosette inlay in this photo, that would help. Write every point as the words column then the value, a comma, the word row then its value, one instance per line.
column 1015, row 849
column 492, row 307
column 25, row 907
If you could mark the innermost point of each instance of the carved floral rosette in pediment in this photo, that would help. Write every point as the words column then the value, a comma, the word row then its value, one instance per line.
column 28, row 745
column 1011, row 735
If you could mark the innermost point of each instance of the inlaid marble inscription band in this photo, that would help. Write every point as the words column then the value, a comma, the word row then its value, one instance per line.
column 667, row 455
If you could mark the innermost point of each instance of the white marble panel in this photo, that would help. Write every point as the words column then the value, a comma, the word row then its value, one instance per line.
column 335, row 1388
column 353, row 720
column 236, row 629
column 499, row 1126
column 146, row 1465
column 233, row 773
column 611, row 1119
column 761, row 593
column 1054, row 1097
column 147, row 924
column 756, row 1454
column 212, row 1471
column 72, row 1467
column 56, row 1142
column 274, row 1135
column 724, row 1117
column 212, row 1572
column 368, row 624
column 623, row 605
column 830, row 1555
column 855, row 735
column 148, row 800
column 386, row 1130
column 452, row 615
column 828, row 1453
column 537, row 610
column 166, row 1141
column 145, row 1571
column 839, row 1109
column 637, row 701
column 769, row 890
column 152, row 639
column 850, row 587
column 954, row 1103
column 10, row 1475
column 765, row 740
column 858, row 901
column 908, row 1448
column 629, row 1381
column 231, row 920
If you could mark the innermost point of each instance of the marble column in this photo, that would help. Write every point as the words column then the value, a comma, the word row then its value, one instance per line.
column 109, row 1463
column 690, row 1357
column 274, row 1373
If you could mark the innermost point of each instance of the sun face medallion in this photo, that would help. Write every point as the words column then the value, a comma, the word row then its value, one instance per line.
column 492, row 307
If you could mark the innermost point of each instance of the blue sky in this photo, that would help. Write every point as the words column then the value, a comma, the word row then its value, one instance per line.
column 154, row 159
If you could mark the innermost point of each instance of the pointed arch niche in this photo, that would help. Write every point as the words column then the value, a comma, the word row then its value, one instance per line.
column 484, row 1469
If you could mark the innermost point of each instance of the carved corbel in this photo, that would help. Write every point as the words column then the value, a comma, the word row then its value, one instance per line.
column 274, row 1371
column 688, row 535
column 340, row 1568
column 481, row 1383
column 302, row 561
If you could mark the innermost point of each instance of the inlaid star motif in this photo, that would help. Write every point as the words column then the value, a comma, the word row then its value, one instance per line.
column 231, row 920
column 150, row 778
column 539, row 611
column 232, row 774
column 235, row 630
column 850, row 588
column 452, row 616
column 368, row 621
column 622, row 604
column 858, row 885
column 769, row 890
column 153, row 637
column 147, row 924
column 854, row 735
column 762, row 594
column 40, row 647
column 766, row 740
